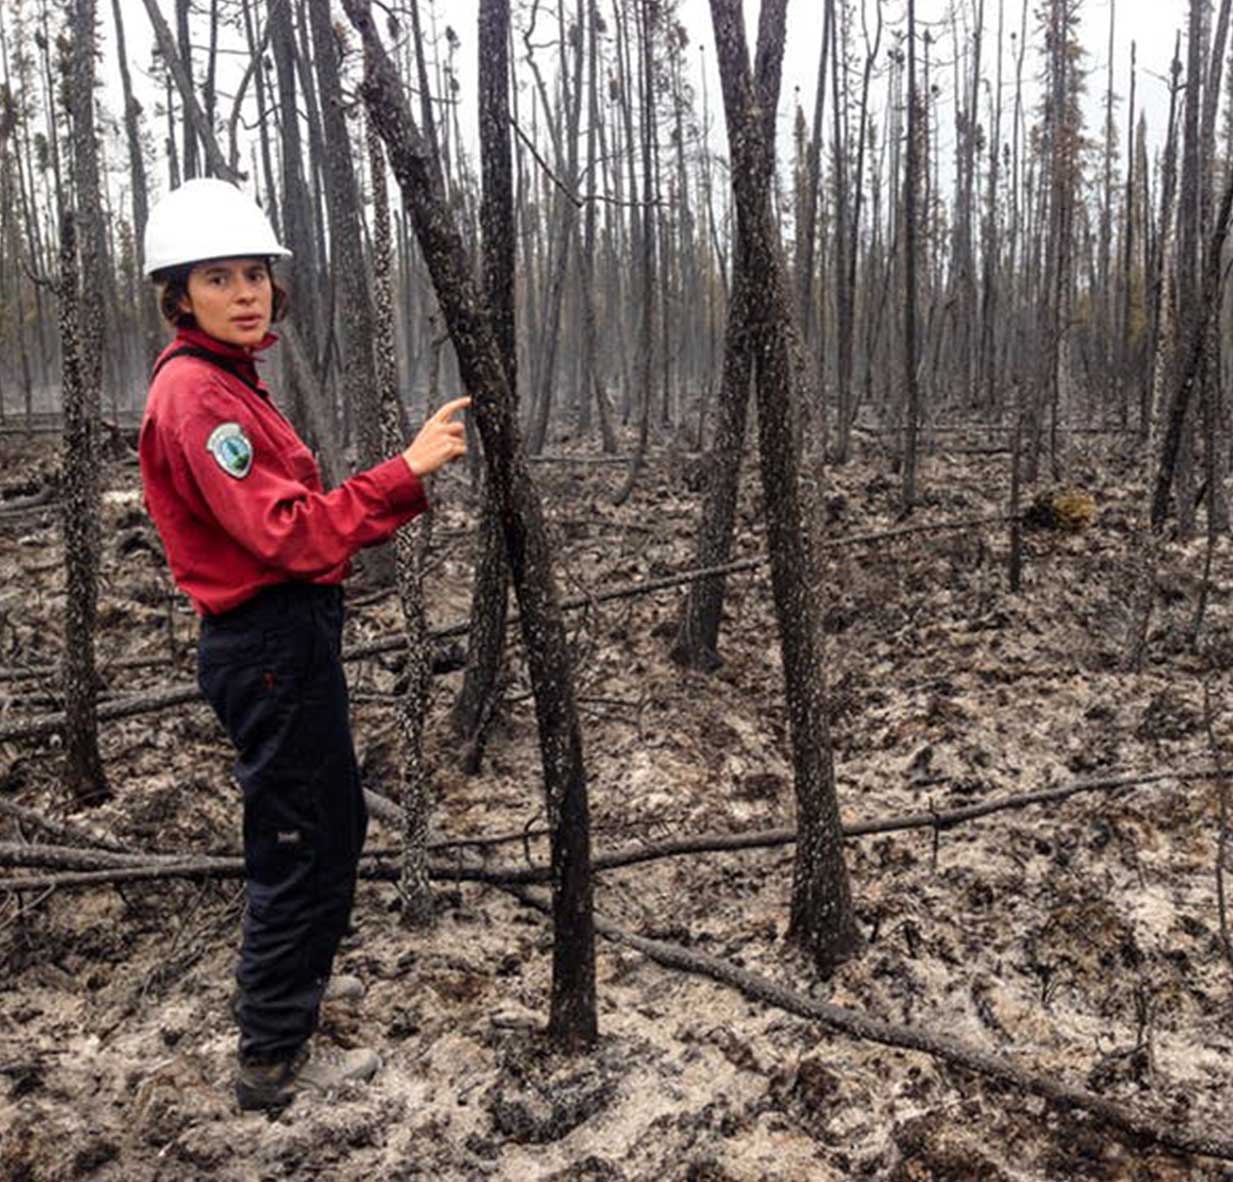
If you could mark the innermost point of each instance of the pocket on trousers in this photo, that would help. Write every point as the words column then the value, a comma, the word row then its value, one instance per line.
column 279, row 851
column 220, row 647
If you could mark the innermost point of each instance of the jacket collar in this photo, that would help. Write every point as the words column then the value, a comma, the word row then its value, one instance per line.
column 237, row 354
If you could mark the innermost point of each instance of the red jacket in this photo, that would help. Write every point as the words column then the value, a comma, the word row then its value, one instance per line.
column 237, row 497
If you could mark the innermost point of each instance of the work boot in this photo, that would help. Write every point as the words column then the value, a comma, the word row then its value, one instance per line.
column 272, row 1086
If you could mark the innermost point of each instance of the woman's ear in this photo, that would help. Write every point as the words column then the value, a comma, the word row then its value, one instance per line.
column 185, row 304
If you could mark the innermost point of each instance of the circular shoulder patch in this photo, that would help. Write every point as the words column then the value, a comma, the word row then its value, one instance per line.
column 231, row 449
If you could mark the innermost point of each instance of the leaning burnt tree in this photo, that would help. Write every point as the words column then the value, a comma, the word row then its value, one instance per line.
column 572, row 1020
column 697, row 637
column 822, row 919
column 81, row 319
column 477, row 699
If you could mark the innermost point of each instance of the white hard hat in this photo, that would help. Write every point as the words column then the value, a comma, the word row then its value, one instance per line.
column 207, row 219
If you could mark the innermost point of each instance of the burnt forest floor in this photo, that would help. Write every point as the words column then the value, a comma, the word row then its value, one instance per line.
column 1078, row 939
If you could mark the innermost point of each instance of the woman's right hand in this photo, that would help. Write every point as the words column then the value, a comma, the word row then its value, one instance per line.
column 440, row 440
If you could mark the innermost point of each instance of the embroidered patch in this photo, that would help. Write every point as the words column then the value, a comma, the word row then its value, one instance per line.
column 230, row 448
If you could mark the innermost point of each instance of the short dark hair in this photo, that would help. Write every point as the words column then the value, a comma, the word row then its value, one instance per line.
column 173, row 287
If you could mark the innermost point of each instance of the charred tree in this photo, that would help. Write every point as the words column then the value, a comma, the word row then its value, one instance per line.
column 137, row 173
column 195, row 117
column 413, row 882
column 646, row 10
column 697, row 637
column 81, row 320
column 1151, row 532
column 348, row 268
column 573, row 1022
column 911, row 257
column 489, row 598
column 822, row 919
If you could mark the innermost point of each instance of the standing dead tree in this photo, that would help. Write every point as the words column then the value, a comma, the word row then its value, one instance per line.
column 572, row 1022
column 147, row 314
column 347, row 266
column 413, row 882
column 195, row 117
column 1150, row 537
column 489, row 597
column 911, row 196
column 81, row 321
column 822, row 919
column 1063, row 125
column 697, row 638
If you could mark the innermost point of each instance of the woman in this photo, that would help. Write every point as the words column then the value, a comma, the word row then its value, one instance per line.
column 261, row 550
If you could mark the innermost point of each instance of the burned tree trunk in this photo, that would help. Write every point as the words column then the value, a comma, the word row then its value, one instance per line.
column 81, row 319
column 195, row 117
column 572, row 1021
column 359, row 381
column 1149, row 541
column 697, row 639
column 489, row 599
column 911, row 197
column 822, row 919
column 137, row 172
column 413, row 883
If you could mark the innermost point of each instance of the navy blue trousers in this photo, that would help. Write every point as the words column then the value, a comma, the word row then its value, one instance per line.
column 272, row 670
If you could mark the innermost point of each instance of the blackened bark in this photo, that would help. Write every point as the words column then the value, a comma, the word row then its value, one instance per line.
column 591, row 389
column 359, row 378
column 489, row 599
column 81, row 319
column 311, row 411
column 1160, row 341
column 697, row 639
column 564, row 229
column 1149, row 540
column 413, row 883
column 822, row 919
column 260, row 81
column 185, row 47
column 809, row 215
column 572, row 1021
column 1064, row 146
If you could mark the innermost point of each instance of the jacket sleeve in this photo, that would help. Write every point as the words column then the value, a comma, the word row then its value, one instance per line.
column 280, row 520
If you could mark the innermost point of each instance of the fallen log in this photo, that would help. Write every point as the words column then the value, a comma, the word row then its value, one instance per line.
column 1139, row 1127
column 105, row 664
column 93, row 868
column 69, row 857
column 51, row 724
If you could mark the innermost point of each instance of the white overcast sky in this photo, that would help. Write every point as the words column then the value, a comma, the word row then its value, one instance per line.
column 1153, row 24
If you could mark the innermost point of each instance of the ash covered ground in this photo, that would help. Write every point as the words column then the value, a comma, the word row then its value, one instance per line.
column 1078, row 939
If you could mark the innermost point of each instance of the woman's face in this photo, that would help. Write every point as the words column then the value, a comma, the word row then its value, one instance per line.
column 231, row 299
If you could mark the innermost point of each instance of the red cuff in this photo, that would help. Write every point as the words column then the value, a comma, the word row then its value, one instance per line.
column 402, row 489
